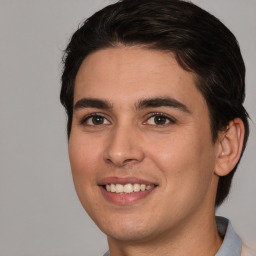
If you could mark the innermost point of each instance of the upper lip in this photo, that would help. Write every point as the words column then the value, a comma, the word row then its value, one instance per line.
column 124, row 180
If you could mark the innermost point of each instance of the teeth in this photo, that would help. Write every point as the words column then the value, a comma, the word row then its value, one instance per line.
column 127, row 188
column 119, row 188
column 149, row 187
column 108, row 188
column 136, row 187
column 142, row 187
column 113, row 188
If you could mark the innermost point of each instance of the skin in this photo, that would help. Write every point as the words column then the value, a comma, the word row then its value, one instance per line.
column 177, row 154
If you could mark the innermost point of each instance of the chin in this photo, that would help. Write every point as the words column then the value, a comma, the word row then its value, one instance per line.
column 128, row 234
column 130, row 228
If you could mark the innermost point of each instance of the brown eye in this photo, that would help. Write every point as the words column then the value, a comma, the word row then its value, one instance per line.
column 95, row 120
column 159, row 120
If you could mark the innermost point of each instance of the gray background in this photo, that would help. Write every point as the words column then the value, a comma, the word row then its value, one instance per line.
column 39, row 211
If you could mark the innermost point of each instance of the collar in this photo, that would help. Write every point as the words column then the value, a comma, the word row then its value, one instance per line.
column 232, row 243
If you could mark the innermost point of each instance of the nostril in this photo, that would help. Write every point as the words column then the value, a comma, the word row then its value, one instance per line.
column 129, row 161
column 122, row 163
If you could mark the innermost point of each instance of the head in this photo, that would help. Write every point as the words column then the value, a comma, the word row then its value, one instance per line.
column 200, row 43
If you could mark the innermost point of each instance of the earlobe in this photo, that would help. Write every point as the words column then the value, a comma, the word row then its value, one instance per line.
column 230, row 145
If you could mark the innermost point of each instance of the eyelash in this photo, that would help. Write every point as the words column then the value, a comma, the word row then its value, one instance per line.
column 151, row 115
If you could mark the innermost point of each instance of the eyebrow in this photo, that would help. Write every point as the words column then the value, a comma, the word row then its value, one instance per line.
column 92, row 103
column 162, row 102
column 141, row 104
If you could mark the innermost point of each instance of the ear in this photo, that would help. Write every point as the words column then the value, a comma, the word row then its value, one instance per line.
column 229, row 148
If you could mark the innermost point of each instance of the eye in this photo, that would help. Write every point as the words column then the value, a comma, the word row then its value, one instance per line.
column 95, row 119
column 159, row 119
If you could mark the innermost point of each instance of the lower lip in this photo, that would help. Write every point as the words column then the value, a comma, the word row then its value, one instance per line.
column 125, row 198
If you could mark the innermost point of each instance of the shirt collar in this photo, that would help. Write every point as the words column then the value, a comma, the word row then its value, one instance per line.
column 232, row 243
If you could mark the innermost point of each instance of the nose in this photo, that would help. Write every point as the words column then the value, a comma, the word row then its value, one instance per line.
column 123, row 147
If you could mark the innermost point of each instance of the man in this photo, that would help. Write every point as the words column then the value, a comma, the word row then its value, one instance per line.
column 154, row 93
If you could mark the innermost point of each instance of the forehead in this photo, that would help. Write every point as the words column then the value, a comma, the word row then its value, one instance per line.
column 126, row 74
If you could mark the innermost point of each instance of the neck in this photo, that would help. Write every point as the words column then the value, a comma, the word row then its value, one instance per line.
column 195, row 237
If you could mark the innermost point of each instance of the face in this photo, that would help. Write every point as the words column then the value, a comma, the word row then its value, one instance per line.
column 140, row 147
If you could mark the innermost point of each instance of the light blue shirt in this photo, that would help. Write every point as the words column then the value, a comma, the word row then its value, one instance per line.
column 232, row 243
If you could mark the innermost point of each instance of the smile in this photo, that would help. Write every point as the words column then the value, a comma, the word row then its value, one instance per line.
column 127, row 188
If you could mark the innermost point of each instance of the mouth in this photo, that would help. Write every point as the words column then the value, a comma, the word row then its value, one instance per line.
column 125, row 190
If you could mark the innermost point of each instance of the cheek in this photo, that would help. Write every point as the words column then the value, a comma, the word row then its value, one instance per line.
column 84, row 159
column 83, row 155
column 186, row 161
